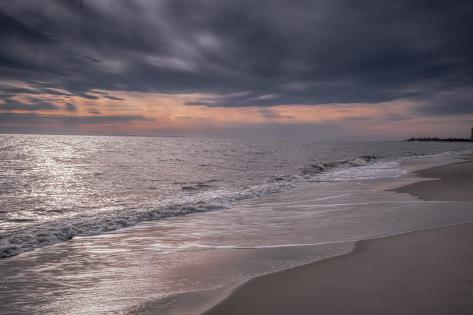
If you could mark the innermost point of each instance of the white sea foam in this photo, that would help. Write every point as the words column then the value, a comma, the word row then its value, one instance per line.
column 53, row 214
column 44, row 234
column 363, row 172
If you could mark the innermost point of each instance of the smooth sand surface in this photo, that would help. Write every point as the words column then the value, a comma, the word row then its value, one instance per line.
column 452, row 182
column 427, row 272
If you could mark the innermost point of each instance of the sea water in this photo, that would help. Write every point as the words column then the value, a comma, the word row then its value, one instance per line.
column 164, row 225
column 53, row 188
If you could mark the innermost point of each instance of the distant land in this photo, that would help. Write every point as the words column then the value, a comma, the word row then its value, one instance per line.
column 440, row 139
column 444, row 139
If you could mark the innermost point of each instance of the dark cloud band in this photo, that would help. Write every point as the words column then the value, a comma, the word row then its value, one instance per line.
column 15, row 118
column 260, row 53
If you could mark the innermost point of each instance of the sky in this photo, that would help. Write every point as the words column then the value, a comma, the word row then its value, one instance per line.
column 320, row 69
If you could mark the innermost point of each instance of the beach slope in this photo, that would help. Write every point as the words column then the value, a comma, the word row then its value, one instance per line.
column 426, row 272
column 453, row 182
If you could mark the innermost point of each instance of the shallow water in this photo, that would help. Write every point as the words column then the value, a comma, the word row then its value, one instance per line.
column 184, row 264
column 179, row 222
column 53, row 188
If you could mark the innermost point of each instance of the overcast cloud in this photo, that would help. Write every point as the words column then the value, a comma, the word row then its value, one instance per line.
column 244, row 53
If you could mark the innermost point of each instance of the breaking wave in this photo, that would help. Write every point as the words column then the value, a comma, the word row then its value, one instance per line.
column 31, row 237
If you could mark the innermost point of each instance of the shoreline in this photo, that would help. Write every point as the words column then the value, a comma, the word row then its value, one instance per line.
column 318, row 287
column 451, row 182
column 140, row 270
column 65, row 230
column 280, row 293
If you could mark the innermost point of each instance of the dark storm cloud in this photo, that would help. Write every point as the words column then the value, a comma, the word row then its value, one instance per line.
column 452, row 102
column 14, row 105
column 14, row 118
column 88, row 96
column 71, row 107
column 34, row 104
column 248, row 53
column 94, row 111
column 113, row 98
column 268, row 113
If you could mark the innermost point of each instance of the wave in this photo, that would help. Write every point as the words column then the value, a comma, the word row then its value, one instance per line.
column 39, row 235
column 203, row 200
column 323, row 167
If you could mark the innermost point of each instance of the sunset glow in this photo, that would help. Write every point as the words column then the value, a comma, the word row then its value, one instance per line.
column 64, row 71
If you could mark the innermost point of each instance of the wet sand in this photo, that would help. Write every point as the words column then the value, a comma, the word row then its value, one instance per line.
column 427, row 272
column 452, row 182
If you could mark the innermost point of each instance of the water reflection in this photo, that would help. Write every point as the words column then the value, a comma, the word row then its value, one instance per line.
column 131, row 269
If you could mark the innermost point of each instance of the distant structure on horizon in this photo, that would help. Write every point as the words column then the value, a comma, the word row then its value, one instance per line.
column 444, row 139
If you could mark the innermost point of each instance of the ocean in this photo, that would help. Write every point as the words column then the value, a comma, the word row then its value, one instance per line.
column 142, row 221
column 55, row 187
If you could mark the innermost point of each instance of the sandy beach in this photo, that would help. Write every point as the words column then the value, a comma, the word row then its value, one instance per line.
column 452, row 182
column 427, row 272
column 236, row 157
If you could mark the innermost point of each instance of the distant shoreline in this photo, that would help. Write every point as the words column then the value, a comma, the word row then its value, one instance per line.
column 439, row 140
